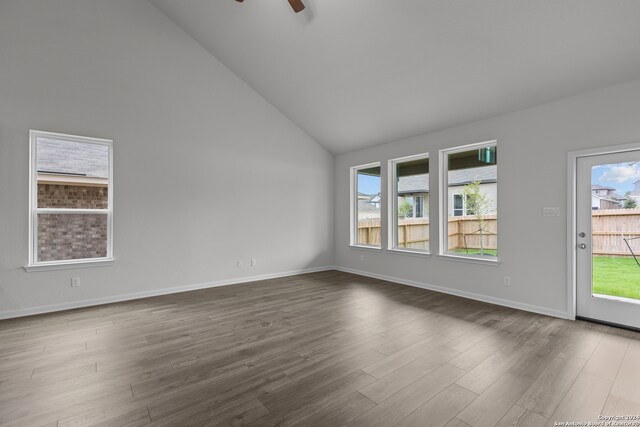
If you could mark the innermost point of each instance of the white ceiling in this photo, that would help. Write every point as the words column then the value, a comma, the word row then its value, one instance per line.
column 357, row 73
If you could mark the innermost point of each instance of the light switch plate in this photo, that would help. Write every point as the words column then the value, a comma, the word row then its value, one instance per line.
column 553, row 211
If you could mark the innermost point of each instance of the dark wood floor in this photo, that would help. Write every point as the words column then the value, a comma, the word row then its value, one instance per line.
column 319, row 349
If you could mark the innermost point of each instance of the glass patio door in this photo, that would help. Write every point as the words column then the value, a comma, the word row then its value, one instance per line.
column 608, row 238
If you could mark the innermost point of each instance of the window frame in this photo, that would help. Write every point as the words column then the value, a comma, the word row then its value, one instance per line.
column 393, row 203
column 443, row 203
column 353, row 239
column 33, row 263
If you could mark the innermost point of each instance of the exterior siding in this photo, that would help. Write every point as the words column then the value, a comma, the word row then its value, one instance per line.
column 490, row 189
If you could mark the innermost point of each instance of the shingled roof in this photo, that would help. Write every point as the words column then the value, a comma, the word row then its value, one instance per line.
column 601, row 187
column 420, row 183
column 72, row 158
column 484, row 174
column 413, row 184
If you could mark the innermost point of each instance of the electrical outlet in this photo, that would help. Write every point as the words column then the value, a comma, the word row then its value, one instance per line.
column 254, row 262
column 361, row 257
column 239, row 263
column 507, row 280
column 75, row 282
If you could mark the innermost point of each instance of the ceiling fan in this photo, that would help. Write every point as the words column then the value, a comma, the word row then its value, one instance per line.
column 297, row 5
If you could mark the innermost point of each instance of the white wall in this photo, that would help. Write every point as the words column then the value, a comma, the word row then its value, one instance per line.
column 532, row 174
column 191, row 141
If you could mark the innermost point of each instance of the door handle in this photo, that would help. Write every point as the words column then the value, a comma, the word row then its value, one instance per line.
column 582, row 246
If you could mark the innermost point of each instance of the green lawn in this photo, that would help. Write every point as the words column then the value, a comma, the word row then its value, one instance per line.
column 490, row 252
column 618, row 277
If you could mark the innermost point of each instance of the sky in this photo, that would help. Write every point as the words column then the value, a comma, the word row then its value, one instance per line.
column 619, row 176
column 368, row 184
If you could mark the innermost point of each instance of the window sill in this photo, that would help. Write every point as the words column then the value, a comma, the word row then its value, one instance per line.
column 421, row 254
column 366, row 248
column 69, row 265
column 470, row 259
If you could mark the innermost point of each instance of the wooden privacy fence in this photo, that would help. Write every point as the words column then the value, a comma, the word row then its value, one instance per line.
column 464, row 233
column 369, row 232
column 608, row 227
column 413, row 233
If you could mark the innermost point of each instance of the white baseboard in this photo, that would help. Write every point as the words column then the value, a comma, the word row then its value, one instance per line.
column 479, row 297
column 146, row 294
column 153, row 293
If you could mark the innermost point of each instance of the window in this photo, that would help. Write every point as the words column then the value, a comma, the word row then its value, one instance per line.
column 460, row 205
column 409, row 212
column 71, row 199
column 366, row 206
column 418, row 211
column 469, row 201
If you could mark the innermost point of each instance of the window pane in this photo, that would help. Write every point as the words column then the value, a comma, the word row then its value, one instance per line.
column 412, row 216
column 71, row 236
column 72, row 174
column 418, row 208
column 457, row 202
column 72, row 196
column 472, row 201
column 615, row 230
column 368, row 207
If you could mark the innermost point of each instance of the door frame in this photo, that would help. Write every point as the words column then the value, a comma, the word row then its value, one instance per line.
column 572, row 212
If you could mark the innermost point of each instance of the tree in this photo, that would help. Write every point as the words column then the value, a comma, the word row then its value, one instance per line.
column 405, row 209
column 478, row 204
column 630, row 203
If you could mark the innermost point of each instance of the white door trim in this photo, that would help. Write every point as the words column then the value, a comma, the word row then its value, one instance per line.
column 572, row 163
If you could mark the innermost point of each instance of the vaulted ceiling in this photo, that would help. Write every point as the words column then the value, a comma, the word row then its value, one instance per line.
column 357, row 73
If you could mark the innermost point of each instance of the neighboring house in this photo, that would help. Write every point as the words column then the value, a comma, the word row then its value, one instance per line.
column 72, row 176
column 488, row 178
column 635, row 194
column 368, row 206
column 415, row 190
column 605, row 198
column 601, row 190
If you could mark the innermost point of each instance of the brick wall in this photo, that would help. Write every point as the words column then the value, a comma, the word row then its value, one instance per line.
column 72, row 196
column 71, row 236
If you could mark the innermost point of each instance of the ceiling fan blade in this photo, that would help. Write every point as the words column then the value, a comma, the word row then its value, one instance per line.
column 297, row 5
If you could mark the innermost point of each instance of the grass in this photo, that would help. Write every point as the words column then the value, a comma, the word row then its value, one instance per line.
column 618, row 277
column 489, row 252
